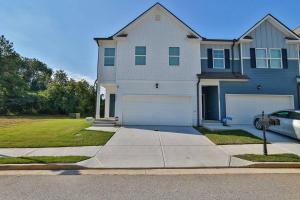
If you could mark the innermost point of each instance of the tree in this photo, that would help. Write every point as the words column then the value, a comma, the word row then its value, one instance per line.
column 36, row 74
column 29, row 86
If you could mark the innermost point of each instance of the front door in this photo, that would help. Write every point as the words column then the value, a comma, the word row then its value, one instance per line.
column 112, row 101
column 210, row 105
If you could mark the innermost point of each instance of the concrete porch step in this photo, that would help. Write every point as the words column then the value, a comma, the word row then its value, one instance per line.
column 104, row 123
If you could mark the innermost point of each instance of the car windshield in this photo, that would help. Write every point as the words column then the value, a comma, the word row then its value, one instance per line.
column 282, row 114
column 295, row 115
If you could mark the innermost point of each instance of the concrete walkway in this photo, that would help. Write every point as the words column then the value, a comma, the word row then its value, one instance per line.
column 52, row 151
column 160, row 147
column 279, row 143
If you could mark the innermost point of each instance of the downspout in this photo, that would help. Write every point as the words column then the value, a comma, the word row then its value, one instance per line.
column 97, row 81
column 298, row 94
column 232, row 55
column 198, row 109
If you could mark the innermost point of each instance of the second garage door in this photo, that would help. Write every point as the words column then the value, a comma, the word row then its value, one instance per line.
column 243, row 107
column 157, row 110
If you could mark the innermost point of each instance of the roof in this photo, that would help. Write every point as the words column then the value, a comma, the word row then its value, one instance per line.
column 269, row 16
column 244, row 36
column 218, row 40
column 138, row 17
column 297, row 30
column 222, row 75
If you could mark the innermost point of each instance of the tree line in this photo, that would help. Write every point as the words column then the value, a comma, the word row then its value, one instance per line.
column 29, row 86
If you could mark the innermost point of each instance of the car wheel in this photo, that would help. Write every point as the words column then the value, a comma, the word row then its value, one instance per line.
column 258, row 124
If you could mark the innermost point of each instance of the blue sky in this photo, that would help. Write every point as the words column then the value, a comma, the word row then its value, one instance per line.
column 60, row 32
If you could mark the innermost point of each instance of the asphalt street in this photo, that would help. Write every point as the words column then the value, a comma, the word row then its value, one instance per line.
column 234, row 186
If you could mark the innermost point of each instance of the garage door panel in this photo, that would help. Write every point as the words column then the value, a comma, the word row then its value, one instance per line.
column 242, row 108
column 157, row 110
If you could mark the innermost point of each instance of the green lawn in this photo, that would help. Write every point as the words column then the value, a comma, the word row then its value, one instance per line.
column 270, row 158
column 48, row 132
column 42, row 159
column 230, row 136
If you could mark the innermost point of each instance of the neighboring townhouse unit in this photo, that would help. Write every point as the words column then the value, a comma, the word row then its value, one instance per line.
column 158, row 71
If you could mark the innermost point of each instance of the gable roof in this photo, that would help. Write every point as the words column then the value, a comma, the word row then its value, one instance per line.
column 297, row 30
column 274, row 20
column 138, row 17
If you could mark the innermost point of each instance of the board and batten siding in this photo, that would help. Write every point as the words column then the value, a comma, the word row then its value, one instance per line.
column 272, row 81
column 268, row 36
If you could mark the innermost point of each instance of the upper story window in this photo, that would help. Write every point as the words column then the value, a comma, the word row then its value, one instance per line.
column 140, row 55
column 109, row 56
column 261, row 58
column 275, row 58
column 174, row 53
column 218, row 59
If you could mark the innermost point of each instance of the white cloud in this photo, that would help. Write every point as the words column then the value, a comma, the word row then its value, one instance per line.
column 77, row 76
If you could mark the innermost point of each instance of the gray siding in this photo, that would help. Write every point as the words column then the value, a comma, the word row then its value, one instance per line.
column 204, row 65
column 268, row 36
column 273, row 81
column 237, row 67
column 204, row 48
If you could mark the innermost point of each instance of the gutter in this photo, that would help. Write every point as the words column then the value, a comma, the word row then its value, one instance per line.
column 298, row 94
column 232, row 55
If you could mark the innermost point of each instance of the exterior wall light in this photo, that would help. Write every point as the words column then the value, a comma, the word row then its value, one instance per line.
column 258, row 87
column 156, row 85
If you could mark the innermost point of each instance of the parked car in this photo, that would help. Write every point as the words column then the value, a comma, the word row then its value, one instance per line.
column 289, row 122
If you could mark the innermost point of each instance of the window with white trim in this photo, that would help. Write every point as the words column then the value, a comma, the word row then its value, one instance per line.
column 218, row 59
column 275, row 58
column 261, row 58
column 174, row 53
column 109, row 56
column 140, row 55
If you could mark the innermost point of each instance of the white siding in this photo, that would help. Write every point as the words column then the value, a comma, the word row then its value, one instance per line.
column 158, row 36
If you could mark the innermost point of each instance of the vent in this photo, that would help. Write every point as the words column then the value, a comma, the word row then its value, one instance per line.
column 157, row 17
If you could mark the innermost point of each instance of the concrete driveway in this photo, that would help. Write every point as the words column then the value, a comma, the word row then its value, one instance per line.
column 280, row 141
column 159, row 147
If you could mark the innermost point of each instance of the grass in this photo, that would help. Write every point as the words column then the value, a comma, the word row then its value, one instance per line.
column 48, row 132
column 42, row 159
column 270, row 158
column 227, row 137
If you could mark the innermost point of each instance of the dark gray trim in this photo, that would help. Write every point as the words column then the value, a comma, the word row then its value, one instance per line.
column 218, row 40
column 209, row 58
column 298, row 93
column 122, row 35
column 253, row 57
column 222, row 75
column 284, row 58
column 227, row 58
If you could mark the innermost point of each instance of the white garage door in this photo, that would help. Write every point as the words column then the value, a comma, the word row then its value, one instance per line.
column 243, row 107
column 157, row 110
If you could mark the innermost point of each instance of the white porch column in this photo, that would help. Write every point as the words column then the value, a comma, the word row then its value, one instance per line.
column 98, row 85
column 107, row 102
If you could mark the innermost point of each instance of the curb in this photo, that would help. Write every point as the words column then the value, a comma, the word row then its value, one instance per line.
column 4, row 167
column 275, row 165
column 41, row 167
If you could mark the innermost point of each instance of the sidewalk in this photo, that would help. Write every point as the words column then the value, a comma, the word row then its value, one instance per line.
column 51, row 151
